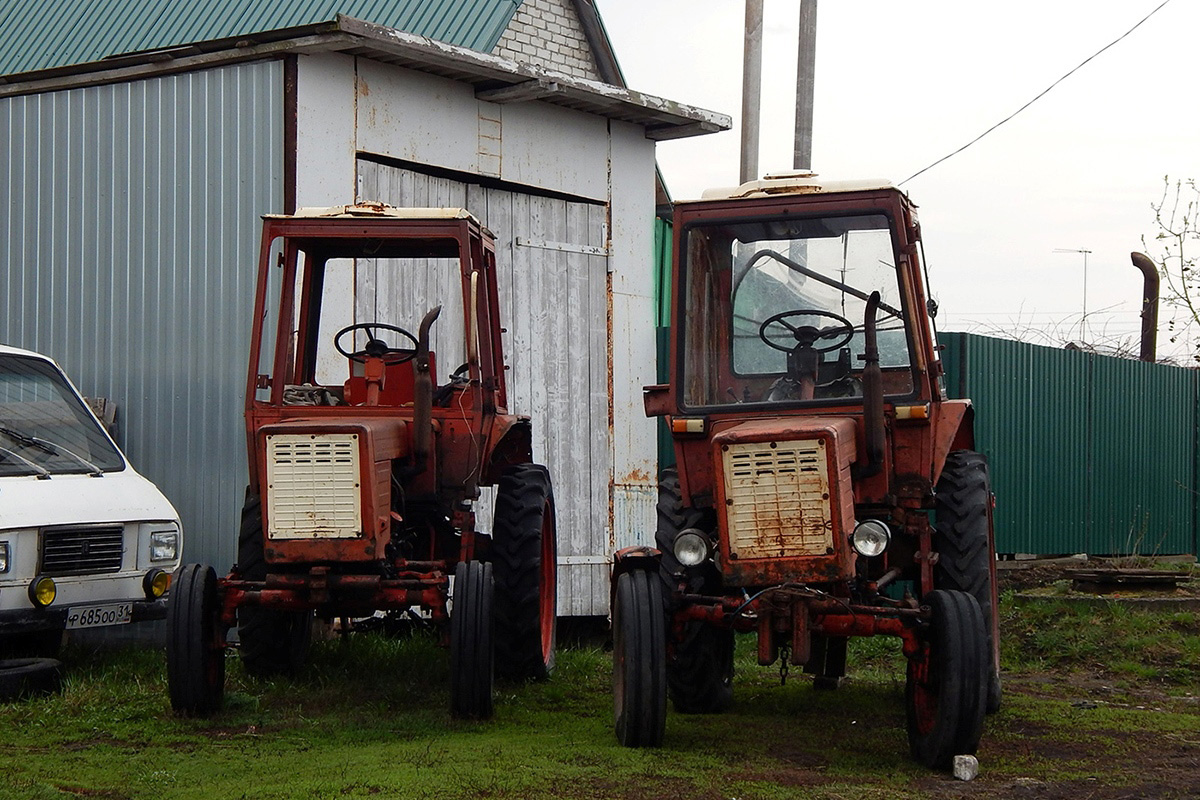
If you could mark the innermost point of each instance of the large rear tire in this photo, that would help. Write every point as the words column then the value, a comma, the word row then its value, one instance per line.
column 946, row 690
column 700, row 669
column 195, row 652
column 272, row 642
column 525, row 567
column 639, row 660
column 472, row 637
column 966, row 554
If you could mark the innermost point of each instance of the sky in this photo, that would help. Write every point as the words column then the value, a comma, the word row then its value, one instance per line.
column 900, row 85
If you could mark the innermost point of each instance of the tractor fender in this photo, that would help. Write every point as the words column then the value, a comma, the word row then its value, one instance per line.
column 632, row 559
column 511, row 442
column 955, row 430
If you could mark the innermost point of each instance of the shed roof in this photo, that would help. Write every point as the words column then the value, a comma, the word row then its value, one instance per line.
column 42, row 34
column 496, row 79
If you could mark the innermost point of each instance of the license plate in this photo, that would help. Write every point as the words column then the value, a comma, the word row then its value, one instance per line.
column 99, row 616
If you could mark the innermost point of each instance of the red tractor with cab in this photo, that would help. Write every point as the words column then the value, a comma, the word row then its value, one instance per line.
column 365, row 466
column 825, row 485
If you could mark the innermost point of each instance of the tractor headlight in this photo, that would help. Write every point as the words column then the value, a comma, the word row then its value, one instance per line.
column 691, row 547
column 42, row 591
column 870, row 538
column 164, row 545
column 3, row 557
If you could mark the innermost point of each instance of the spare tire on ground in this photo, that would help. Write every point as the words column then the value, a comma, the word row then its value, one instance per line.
column 27, row 677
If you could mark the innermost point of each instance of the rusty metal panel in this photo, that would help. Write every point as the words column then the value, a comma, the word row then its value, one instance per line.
column 1088, row 453
column 553, row 296
column 38, row 34
column 777, row 497
column 127, row 252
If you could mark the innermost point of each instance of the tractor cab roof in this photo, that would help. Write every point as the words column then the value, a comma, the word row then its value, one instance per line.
column 368, row 209
column 793, row 183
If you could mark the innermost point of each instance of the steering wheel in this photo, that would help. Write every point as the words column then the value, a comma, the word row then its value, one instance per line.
column 807, row 335
column 376, row 347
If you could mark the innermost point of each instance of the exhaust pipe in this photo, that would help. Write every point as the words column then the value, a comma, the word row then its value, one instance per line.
column 423, row 395
column 1149, row 304
column 872, row 383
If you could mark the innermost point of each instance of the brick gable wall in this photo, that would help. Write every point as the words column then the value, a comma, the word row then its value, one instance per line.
column 547, row 33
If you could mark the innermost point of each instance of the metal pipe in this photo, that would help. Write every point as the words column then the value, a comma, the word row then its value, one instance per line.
column 1149, row 304
column 751, row 89
column 806, row 69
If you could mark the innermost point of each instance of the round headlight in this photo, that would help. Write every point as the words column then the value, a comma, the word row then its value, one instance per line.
column 870, row 538
column 691, row 547
column 42, row 591
column 155, row 583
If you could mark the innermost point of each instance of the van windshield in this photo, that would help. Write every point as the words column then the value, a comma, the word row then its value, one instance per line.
column 44, row 427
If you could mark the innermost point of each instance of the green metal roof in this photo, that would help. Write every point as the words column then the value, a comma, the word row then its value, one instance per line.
column 40, row 34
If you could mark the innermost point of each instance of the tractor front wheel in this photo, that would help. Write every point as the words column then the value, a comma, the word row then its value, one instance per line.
column 472, row 640
column 946, row 690
column 195, row 650
column 525, row 566
column 639, row 660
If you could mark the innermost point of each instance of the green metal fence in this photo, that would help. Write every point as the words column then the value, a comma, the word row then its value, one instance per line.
column 1088, row 453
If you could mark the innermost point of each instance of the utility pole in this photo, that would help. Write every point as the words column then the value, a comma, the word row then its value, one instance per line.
column 1083, row 319
column 806, row 69
column 751, row 89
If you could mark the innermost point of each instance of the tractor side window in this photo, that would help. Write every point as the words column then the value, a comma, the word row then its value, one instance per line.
column 775, row 310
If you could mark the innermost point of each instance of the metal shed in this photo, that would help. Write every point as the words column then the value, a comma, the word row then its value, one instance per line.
column 132, row 187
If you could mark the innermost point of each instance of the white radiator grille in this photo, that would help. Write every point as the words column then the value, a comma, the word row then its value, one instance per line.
column 312, row 486
column 777, row 497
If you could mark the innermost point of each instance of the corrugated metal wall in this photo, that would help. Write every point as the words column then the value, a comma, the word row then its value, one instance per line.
column 1088, row 453
column 129, row 227
column 553, row 298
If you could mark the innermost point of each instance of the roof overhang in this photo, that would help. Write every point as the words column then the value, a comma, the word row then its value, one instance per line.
column 495, row 79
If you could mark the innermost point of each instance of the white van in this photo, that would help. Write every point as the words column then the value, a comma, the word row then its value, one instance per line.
column 85, row 541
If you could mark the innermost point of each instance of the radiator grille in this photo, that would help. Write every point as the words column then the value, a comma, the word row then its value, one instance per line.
column 778, row 499
column 82, row 551
column 313, row 486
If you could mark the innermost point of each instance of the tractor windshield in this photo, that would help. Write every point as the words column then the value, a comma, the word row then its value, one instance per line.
column 773, row 310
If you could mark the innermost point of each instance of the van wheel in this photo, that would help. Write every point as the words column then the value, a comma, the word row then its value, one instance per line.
column 28, row 677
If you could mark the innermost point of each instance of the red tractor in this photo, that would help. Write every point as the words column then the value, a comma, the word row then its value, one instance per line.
column 826, row 487
column 364, row 467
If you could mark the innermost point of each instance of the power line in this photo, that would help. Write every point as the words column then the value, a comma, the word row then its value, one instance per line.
column 1039, row 97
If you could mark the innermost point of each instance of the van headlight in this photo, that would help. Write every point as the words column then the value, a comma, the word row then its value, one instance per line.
column 3, row 557
column 164, row 545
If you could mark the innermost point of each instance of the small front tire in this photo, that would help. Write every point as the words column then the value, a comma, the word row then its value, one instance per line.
column 946, row 690
column 472, row 653
column 639, row 660
column 195, row 646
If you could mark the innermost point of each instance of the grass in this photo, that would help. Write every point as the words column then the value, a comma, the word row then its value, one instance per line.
column 368, row 718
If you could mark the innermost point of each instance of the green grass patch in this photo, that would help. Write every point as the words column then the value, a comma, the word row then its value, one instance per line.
column 369, row 717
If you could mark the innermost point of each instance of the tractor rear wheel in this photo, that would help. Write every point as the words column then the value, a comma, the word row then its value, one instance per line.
column 272, row 642
column 639, row 660
column 195, row 651
column 963, row 542
column 472, row 637
column 946, row 690
column 525, row 566
column 700, row 669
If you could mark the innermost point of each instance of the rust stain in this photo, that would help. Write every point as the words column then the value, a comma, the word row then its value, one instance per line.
column 363, row 89
column 635, row 477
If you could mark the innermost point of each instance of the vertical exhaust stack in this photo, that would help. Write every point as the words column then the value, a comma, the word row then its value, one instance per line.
column 1149, row 304
column 872, row 383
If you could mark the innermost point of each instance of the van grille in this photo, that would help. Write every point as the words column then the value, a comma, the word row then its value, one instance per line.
column 313, row 486
column 82, row 551
column 778, row 499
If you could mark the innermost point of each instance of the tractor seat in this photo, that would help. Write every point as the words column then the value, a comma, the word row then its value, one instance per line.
column 398, row 380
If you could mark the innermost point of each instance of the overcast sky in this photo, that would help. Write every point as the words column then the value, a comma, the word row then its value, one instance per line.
column 899, row 85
